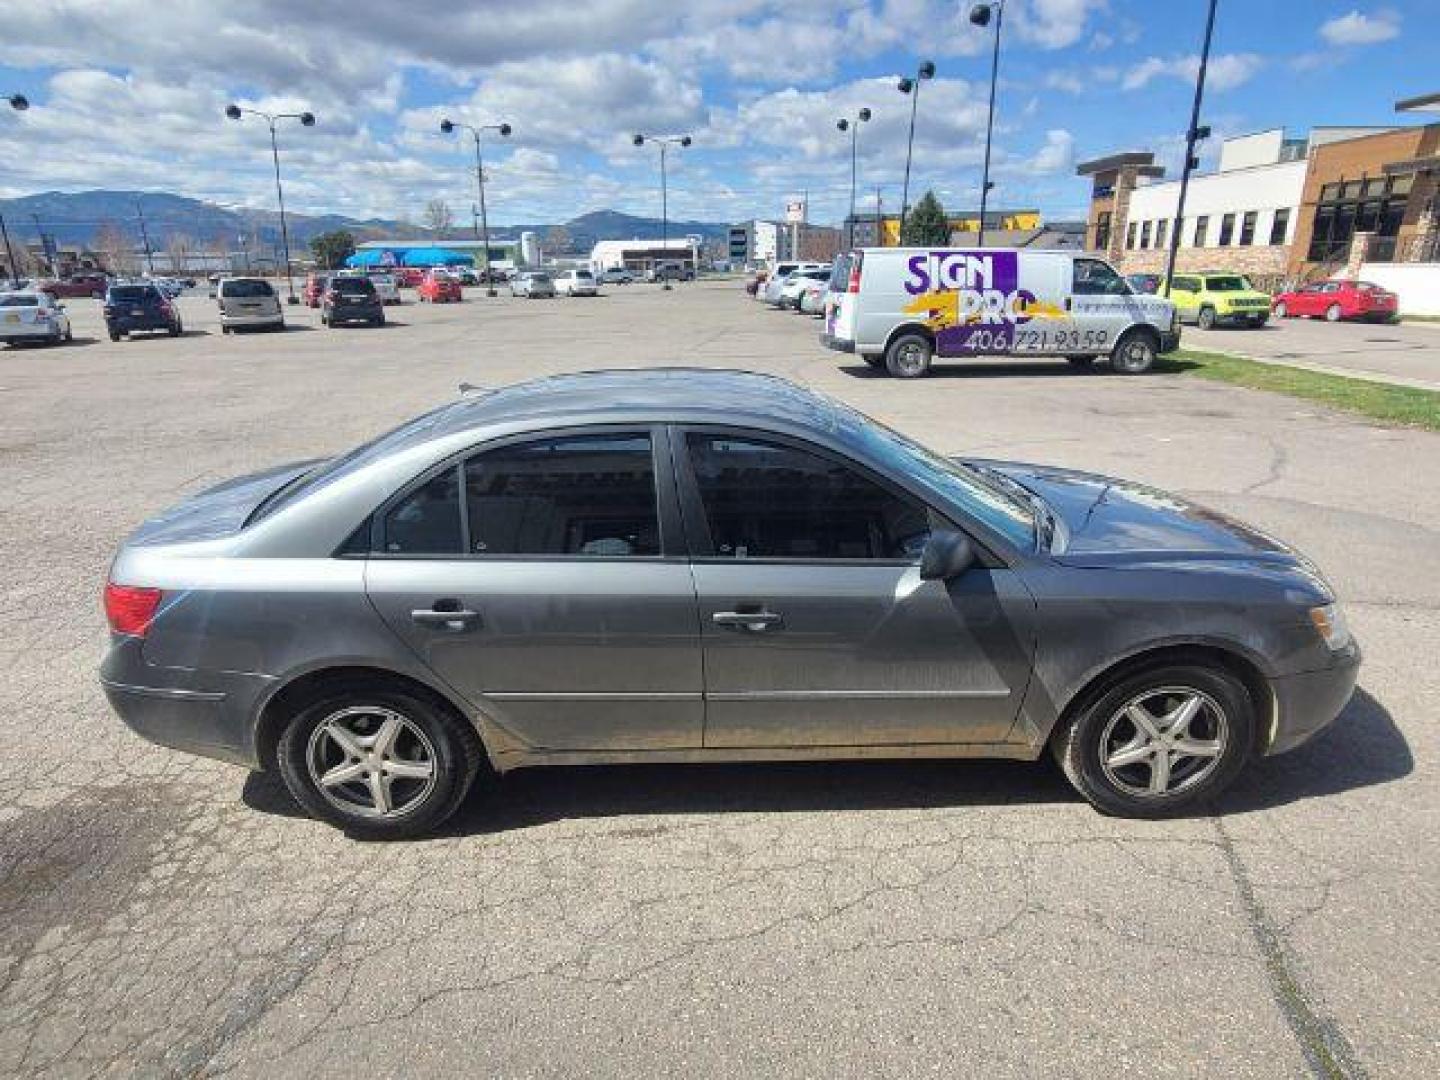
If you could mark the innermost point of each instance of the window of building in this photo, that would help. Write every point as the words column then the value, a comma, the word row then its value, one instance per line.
column 1375, row 205
column 1227, row 229
column 1247, row 228
column 1160, row 228
column 1279, row 225
column 1145, row 234
column 1102, row 230
column 768, row 500
column 1202, row 230
column 1130, row 235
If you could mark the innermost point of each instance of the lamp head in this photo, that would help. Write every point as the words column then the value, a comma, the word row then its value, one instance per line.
column 864, row 114
column 19, row 102
column 927, row 69
column 980, row 15
column 505, row 130
column 232, row 111
column 843, row 125
column 905, row 85
column 638, row 140
column 686, row 140
column 307, row 119
column 447, row 126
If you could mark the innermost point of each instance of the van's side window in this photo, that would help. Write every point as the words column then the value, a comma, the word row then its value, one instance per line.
column 1095, row 278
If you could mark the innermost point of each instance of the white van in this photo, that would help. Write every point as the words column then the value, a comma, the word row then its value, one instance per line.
column 900, row 308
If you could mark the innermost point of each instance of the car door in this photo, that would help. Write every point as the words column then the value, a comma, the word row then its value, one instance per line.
column 1103, row 306
column 535, row 578
column 816, row 627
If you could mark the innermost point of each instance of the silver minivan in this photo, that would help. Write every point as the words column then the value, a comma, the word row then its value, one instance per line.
column 248, row 302
column 902, row 308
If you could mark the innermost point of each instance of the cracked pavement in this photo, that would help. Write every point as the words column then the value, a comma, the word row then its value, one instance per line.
column 164, row 915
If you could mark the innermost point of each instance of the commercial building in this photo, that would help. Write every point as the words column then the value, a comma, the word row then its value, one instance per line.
column 758, row 242
column 883, row 230
column 641, row 256
column 1345, row 201
column 504, row 254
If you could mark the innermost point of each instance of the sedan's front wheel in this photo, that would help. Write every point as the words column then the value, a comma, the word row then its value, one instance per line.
column 1157, row 742
column 378, row 763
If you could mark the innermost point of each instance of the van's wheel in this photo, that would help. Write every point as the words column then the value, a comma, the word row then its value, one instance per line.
column 1332, row 313
column 1281, row 311
column 1134, row 354
column 1158, row 741
column 379, row 763
column 909, row 356
column 1082, row 363
column 1206, row 318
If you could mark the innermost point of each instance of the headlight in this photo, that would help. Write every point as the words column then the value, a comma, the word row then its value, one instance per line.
column 1329, row 622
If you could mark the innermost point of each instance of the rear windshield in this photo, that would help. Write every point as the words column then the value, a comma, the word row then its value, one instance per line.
column 583, row 273
column 20, row 300
column 134, row 293
column 1227, row 283
column 840, row 274
column 542, row 278
column 353, row 286
column 246, row 287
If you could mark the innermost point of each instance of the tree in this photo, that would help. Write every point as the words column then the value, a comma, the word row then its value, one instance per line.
column 925, row 224
column 557, row 240
column 179, row 246
column 438, row 218
column 333, row 248
column 112, row 245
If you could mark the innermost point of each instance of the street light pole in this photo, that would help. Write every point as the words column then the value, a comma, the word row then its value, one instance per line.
column 665, row 143
column 18, row 102
column 145, row 237
column 448, row 126
column 980, row 16
column 307, row 119
column 926, row 70
column 1193, row 135
column 854, row 128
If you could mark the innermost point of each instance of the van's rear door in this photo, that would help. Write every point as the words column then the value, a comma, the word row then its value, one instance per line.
column 841, row 300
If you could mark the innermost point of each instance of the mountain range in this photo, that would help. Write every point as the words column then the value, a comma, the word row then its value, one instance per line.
column 75, row 218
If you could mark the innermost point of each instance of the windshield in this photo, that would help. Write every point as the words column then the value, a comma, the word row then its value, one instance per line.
column 1227, row 283
column 988, row 502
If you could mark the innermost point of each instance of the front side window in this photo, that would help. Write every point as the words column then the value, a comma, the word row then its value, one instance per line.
column 1095, row 278
column 1226, row 283
column 768, row 500
column 567, row 495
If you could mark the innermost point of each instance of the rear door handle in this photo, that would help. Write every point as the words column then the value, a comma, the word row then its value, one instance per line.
column 457, row 619
column 755, row 622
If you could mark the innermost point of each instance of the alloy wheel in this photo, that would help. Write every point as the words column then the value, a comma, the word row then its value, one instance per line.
column 1163, row 741
column 910, row 358
column 371, row 761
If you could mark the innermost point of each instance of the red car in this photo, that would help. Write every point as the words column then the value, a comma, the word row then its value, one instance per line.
column 78, row 285
column 1336, row 300
column 314, row 291
column 439, row 287
column 409, row 277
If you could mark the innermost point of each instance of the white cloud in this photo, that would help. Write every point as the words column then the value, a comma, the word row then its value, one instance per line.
column 1224, row 72
column 1357, row 28
column 1057, row 155
column 1067, row 81
column 1051, row 24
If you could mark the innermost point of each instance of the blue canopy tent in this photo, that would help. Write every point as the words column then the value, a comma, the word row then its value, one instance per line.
column 400, row 256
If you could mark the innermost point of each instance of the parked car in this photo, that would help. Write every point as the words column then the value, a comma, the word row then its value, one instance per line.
column 313, row 292
column 409, row 277
column 512, row 612
column 1144, row 283
column 616, row 275
column 140, row 308
column 89, row 284
column 351, row 299
column 1336, row 300
column 532, row 284
column 249, row 303
column 466, row 276
column 440, row 287
column 1210, row 300
column 901, row 308
column 789, row 293
column 770, row 290
column 669, row 272
column 386, row 287
column 812, row 298
column 171, row 287
column 32, row 315
column 576, row 283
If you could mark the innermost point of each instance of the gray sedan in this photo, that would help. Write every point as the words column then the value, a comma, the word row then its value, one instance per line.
column 686, row 565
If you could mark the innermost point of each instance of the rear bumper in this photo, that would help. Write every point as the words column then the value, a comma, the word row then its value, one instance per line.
column 354, row 315
column 844, row 345
column 27, row 332
column 133, row 325
column 1306, row 704
column 277, row 319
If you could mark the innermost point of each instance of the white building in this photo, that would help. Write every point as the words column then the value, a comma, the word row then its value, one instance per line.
column 638, row 256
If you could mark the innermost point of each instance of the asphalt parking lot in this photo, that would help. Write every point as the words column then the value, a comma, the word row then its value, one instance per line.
column 165, row 915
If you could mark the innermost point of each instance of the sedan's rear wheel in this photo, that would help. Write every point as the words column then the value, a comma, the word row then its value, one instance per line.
column 378, row 763
column 1159, row 741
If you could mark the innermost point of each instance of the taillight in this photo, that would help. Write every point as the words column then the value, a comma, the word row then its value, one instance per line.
column 130, row 610
column 854, row 283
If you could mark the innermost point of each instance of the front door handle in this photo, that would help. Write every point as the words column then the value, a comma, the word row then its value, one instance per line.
column 755, row 622
column 446, row 618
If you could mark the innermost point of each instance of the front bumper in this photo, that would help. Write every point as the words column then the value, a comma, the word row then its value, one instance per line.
column 845, row 345
column 1305, row 704
column 1242, row 316
column 1170, row 340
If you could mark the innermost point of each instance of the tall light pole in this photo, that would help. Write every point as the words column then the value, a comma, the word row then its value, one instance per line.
column 449, row 126
column 307, row 119
column 853, row 126
column 18, row 102
column 925, row 71
column 1192, row 135
column 664, row 144
column 980, row 16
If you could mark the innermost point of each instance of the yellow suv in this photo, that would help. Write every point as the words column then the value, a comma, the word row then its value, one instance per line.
column 1209, row 300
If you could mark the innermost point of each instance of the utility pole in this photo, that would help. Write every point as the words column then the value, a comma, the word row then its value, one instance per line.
column 9, row 253
column 44, row 247
column 1193, row 135
column 879, row 219
column 145, row 237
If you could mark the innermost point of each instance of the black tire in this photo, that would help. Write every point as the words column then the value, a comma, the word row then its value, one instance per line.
column 176, row 330
column 1134, row 353
column 875, row 360
column 1102, row 726
column 909, row 356
column 1333, row 313
column 1206, row 319
column 69, row 333
column 380, row 319
column 114, row 336
column 1081, row 363
column 448, row 743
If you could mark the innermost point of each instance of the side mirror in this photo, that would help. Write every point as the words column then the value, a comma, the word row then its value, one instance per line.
column 947, row 554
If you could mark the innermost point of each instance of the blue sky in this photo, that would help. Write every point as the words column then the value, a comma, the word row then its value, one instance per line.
column 130, row 94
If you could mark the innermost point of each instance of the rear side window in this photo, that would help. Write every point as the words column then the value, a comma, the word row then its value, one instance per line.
column 246, row 288
column 427, row 521
column 769, row 500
